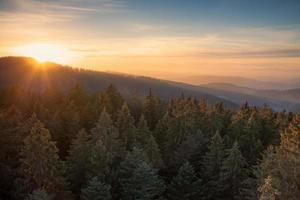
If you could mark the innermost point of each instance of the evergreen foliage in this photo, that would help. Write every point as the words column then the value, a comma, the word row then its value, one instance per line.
column 139, row 180
column 108, row 146
column 96, row 190
column 280, row 166
column 212, row 167
column 78, row 162
column 40, row 164
column 233, row 173
column 185, row 185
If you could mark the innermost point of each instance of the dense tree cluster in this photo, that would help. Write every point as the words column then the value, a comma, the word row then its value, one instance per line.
column 105, row 146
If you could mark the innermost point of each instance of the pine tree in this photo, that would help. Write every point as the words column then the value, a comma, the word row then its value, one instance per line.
column 186, row 185
column 13, row 131
column 240, row 119
column 191, row 150
column 233, row 173
column 138, row 179
column 175, row 135
column 40, row 164
column 182, row 120
column 111, row 100
column 129, row 164
column 160, row 132
column 135, row 103
column 39, row 194
column 282, row 163
column 212, row 165
column 100, row 160
column 153, row 153
column 203, row 116
column 268, row 126
column 146, row 183
column 142, row 132
column 96, row 190
column 89, row 114
column 78, row 161
column 250, row 138
column 151, row 110
column 219, row 119
column 125, row 125
column 78, row 95
column 103, row 127
column 11, row 137
column 146, row 141
column 107, row 148
column 66, row 123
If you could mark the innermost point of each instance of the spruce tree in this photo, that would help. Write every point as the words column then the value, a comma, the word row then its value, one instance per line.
column 212, row 166
column 135, row 103
column 191, row 150
column 78, row 95
column 282, row 163
column 219, row 119
column 11, row 137
column 250, row 139
column 78, row 161
column 268, row 126
column 66, row 123
column 111, row 100
column 103, row 127
column 160, row 132
column 125, row 125
column 185, row 185
column 40, row 164
column 107, row 148
column 138, row 179
column 153, row 153
column 142, row 132
column 151, row 110
column 146, row 141
column 233, row 173
column 96, row 190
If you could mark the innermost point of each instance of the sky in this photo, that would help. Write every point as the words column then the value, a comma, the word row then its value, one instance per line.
column 167, row 39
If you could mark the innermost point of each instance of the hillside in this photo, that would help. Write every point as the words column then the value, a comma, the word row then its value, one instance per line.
column 277, row 99
column 36, row 76
column 243, row 82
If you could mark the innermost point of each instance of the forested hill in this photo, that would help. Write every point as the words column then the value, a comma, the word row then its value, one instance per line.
column 36, row 76
column 80, row 146
column 76, row 145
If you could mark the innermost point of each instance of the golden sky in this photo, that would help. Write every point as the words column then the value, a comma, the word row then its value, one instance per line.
column 165, row 40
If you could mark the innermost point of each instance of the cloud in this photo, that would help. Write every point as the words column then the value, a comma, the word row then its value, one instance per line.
column 205, row 46
column 142, row 27
column 102, row 33
column 55, row 6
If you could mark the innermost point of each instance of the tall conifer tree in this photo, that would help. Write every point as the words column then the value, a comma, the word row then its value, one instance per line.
column 40, row 164
column 185, row 185
column 96, row 190
column 212, row 166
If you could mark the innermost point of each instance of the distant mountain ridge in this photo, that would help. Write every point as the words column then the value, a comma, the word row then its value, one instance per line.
column 277, row 99
column 243, row 82
column 35, row 76
column 290, row 95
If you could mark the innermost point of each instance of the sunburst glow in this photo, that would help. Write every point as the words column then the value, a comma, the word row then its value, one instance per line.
column 44, row 52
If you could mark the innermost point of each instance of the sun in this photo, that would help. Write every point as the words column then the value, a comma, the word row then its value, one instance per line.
column 44, row 52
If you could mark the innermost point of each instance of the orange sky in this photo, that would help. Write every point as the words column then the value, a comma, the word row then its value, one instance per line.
column 94, row 36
